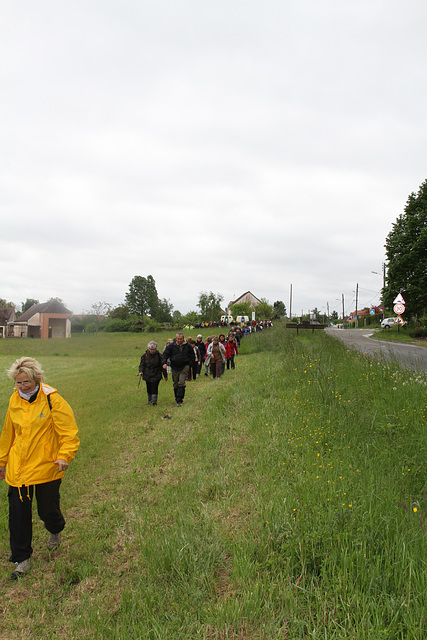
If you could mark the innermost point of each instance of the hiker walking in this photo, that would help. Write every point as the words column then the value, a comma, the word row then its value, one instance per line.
column 215, row 358
column 181, row 356
column 231, row 351
column 151, row 369
column 38, row 441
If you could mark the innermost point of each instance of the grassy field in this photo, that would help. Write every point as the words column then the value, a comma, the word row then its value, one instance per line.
column 287, row 500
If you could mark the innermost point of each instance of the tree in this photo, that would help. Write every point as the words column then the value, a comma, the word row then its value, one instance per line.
column 264, row 310
column 29, row 302
column 4, row 304
column 241, row 309
column 406, row 251
column 191, row 318
column 98, row 313
column 176, row 316
column 142, row 297
column 164, row 311
column 121, row 312
column 210, row 306
column 279, row 309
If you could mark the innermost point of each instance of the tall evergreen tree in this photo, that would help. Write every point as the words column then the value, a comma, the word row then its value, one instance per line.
column 406, row 251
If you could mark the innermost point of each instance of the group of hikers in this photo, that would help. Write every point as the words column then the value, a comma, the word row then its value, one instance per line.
column 40, row 437
column 185, row 359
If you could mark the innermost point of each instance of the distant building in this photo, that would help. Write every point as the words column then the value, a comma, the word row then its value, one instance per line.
column 245, row 297
column 7, row 315
column 42, row 320
column 363, row 313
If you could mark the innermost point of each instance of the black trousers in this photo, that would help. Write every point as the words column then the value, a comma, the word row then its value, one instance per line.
column 21, row 519
column 152, row 387
column 230, row 359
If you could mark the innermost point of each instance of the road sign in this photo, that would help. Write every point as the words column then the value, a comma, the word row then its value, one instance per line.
column 399, row 299
column 399, row 308
column 399, row 320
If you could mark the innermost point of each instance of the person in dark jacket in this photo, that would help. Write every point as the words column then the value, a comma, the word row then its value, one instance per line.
column 151, row 369
column 181, row 356
column 202, row 352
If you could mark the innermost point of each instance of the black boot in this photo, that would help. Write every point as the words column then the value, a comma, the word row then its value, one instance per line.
column 149, row 398
column 154, row 399
column 179, row 395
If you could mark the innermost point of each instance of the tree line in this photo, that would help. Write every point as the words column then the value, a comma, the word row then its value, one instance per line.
column 405, row 273
column 144, row 310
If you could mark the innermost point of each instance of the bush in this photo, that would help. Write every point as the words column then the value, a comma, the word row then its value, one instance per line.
column 418, row 333
column 116, row 324
column 150, row 325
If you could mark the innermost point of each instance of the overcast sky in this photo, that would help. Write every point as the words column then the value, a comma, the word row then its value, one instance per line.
column 222, row 146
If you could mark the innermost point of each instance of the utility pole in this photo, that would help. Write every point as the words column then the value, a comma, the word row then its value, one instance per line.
column 382, row 292
column 342, row 295
column 290, row 305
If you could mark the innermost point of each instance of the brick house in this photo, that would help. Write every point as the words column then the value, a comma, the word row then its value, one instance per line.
column 43, row 320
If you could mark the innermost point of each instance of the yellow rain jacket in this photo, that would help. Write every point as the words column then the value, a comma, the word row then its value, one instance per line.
column 35, row 435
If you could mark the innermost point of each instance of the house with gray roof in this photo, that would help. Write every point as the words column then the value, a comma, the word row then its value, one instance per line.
column 43, row 320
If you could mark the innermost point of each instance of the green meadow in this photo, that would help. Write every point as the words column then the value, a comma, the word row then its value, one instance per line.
column 286, row 500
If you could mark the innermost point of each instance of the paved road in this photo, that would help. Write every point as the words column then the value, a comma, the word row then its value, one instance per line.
column 405, row 354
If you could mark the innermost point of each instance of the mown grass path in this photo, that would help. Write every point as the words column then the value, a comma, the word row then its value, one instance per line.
column 286, row 500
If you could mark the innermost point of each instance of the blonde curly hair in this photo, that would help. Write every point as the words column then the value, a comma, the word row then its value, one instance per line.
column 26, row 365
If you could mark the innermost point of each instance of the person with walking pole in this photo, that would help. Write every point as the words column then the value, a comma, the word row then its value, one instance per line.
column 150, row 369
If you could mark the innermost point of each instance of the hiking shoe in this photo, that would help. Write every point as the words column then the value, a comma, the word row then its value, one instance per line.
column 54, row 541
column 21, row 569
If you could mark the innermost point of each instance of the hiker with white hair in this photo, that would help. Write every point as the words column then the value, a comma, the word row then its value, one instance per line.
column 150, row 369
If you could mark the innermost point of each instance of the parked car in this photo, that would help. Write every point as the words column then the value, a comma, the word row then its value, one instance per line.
column 387, row 323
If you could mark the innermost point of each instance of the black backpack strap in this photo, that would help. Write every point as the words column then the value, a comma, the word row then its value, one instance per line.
column 49, row 401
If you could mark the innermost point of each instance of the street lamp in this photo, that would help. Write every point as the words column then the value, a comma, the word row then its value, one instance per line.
column 382, row 291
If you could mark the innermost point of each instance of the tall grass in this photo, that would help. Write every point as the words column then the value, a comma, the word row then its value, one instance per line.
column 286, row 500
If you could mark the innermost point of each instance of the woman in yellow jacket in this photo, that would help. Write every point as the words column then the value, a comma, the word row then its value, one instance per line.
column 38, row 441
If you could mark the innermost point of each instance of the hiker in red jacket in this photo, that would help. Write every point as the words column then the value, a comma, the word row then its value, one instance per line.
column 231, row 351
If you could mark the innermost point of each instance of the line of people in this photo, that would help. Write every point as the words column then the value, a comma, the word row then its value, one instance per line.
column 184, row 361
